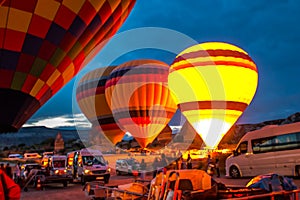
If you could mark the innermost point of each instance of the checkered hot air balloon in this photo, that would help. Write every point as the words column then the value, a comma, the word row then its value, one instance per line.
column 214, row 82
column 43, row 44
column 138, row 95
column 90, row 95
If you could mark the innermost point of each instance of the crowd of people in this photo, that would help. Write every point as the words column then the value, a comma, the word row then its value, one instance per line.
column 9, row 189
column 160, row 163
column 212, row 166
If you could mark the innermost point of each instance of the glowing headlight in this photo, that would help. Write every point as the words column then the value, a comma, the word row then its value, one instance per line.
column 108, row 169
column 86, row 171
column 56, row 171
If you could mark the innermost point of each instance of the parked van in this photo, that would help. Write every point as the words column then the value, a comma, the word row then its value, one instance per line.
column 272, row 149
column 87, row 165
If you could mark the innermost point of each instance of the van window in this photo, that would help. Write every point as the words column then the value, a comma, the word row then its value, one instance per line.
column 242, row 148
column 97, row 160
column 262, row 145
column 276, row 143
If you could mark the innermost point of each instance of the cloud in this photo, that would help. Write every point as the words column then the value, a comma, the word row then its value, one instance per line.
column 77, row 120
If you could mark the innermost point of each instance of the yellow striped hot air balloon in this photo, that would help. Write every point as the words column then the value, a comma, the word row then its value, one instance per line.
column 138, row 95
column 90, row 95
column 214, row 82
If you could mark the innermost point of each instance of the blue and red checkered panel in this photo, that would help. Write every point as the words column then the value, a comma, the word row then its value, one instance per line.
column 43, row 43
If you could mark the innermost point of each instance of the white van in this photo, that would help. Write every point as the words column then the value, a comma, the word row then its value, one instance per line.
column 87, row 165
column 272, row 149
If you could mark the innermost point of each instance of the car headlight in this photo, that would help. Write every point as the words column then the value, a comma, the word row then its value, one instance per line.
column 86, row 171
column 56, row 171
column 108, row 169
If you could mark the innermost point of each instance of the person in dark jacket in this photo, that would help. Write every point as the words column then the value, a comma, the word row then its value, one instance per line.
column 189, row 162
column 8, row 170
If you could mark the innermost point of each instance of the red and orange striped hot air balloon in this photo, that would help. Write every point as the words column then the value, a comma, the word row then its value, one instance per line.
column 214, row 82
column 90, row 95
column 138, row 95
column 43, row 44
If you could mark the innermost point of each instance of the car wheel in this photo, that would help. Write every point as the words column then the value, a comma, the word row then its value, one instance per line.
column 82, row 180
column 234, row 172
column 65, row 184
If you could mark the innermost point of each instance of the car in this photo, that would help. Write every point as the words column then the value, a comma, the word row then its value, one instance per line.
column 15, row 156
column 26, row 168
column 127, row 166
column 32, row 156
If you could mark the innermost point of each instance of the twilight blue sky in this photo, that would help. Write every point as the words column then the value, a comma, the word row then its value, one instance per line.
column 268, row 30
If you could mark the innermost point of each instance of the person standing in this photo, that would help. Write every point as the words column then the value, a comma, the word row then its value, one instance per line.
column 8, row 170
column 179, row 163
column 8, row 188
column 17, row 173
column 2, row 167
column 189, row 162
column 155, row 166
column 208, row 162
column 163, row 161
column 217, row 167
column 143, row 169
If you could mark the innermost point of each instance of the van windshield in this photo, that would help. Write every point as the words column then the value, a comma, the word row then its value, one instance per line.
column 95, row 160
column 59, row 163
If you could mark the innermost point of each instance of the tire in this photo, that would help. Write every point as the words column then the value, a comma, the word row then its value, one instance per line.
column 82, row 180
column 65, row 184
column 234, row 172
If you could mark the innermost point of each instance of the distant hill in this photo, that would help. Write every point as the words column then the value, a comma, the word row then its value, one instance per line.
column 36, row 135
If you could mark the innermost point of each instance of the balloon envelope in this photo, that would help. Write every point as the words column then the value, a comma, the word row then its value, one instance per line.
column 140, row 99
column 90, row 95
column 214, row 83
column 43, row 44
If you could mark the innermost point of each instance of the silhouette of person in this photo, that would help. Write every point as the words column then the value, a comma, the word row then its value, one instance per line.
column 217, row 167
column 8, row 170
column 189, row 162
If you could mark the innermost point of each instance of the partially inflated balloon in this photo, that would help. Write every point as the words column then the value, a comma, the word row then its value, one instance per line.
column 214, row 83
column 138, row 94
column 90, row 95
column 43, row 44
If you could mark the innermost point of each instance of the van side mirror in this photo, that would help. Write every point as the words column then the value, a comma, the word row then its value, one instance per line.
column 235, row 153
